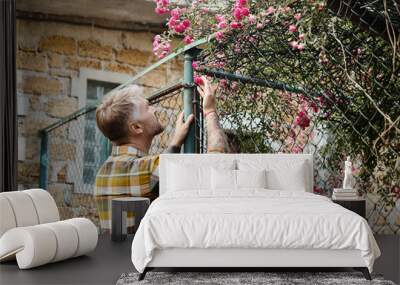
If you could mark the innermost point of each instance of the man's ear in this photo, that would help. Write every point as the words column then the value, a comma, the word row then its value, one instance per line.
column 136, row 128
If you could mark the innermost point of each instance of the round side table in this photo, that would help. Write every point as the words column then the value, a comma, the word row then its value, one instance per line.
column 120, row 207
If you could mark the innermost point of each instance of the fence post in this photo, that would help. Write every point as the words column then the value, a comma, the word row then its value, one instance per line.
column 189, row 100
column 43, row 159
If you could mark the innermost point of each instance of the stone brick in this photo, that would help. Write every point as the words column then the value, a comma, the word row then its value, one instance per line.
column 148, row 91
column 65, row 151
column 28, row 171
column 31, row 61
column 61, row 108
column 28, row 35
column 58, row 44
column 57, row 192
column 75, row 64
column 136, row 40
column 33, row 124
column 173, row 102
column 62, row 174
column 40, row 85
column 35, row 104
column 63, row 73
column 32, row 149
column 120, row 68
column 55, row 60
column 92, row 48
column 155, row 78
column 134, row 57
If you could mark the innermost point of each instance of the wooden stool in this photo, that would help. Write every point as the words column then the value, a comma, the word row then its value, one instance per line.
column 120, row 207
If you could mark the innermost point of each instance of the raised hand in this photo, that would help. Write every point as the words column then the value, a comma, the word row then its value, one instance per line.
column 207, row 92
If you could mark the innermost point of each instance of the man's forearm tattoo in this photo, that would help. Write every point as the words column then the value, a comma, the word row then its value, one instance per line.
column 216, row 138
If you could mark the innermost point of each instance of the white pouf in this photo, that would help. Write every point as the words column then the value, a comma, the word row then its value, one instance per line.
column 31, row 232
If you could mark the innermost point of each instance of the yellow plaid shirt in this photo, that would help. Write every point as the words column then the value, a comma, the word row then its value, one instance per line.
column 127, row 172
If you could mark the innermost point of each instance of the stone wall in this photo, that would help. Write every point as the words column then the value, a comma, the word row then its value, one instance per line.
column 50, row 55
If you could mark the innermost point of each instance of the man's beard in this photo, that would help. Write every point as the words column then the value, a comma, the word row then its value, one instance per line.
column 158, row 129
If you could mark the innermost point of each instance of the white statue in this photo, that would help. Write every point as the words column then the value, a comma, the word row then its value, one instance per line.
column 348, row 176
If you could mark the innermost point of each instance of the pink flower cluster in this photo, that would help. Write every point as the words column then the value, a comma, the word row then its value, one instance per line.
column 302, row 120
column 162, row 7
column 240, row 11
column 174, row 22
column 198, row 80
column 161, row 47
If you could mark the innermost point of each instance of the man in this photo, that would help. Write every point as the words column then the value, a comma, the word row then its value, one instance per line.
column 130, row 123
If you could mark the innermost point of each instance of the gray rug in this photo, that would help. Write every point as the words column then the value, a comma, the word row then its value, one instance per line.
column 230, row 278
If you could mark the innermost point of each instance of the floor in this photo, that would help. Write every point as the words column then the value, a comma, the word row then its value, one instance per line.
column 111, row 259
column 103, row 266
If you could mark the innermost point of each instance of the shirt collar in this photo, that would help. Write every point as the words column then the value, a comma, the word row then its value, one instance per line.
column 127, row 149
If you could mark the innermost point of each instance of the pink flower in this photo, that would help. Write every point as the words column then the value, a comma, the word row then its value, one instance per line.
column 220, row 18
column 292, row 28
column 241, row 2
column 297, row 16
column 180, row 28
column 237, row 13
column 187, row 39
column 314, row 107
column 297, row 149
column 396, row 190
column 205, row 9
column 317, row 190
column 219, row 64
column 294, row 44
column 259, row 26
column 195, row 65
column 235, row 25
column 186, row 23
column 161, row 47
column 271, row 10
column 175, row 13
column 302, row 120
column 301, row 37
column 252, row 19
column 287, row 9
column 300, row 47
column 161, row 10
column 198, row 80
column 219, row 36
column 172, row 23
column 223, row 82
column 222, row 25
column 245, row 11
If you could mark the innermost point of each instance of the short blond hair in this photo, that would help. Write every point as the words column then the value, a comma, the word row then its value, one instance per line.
column 117, row 110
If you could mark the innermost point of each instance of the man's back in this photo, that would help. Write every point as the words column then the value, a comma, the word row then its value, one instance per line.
column 127, row 172
column 130, row 123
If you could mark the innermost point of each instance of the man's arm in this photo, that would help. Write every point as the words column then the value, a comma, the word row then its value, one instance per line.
column 216, row 138
column 181, row 130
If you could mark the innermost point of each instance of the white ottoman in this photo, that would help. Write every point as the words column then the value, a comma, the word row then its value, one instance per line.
column 31, row 232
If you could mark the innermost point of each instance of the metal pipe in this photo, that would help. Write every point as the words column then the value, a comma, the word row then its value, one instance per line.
column 43, row 159
column 188, row 98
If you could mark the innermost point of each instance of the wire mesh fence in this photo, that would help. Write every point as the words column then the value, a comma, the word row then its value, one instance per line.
column 337, row 98
column 76, row 149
